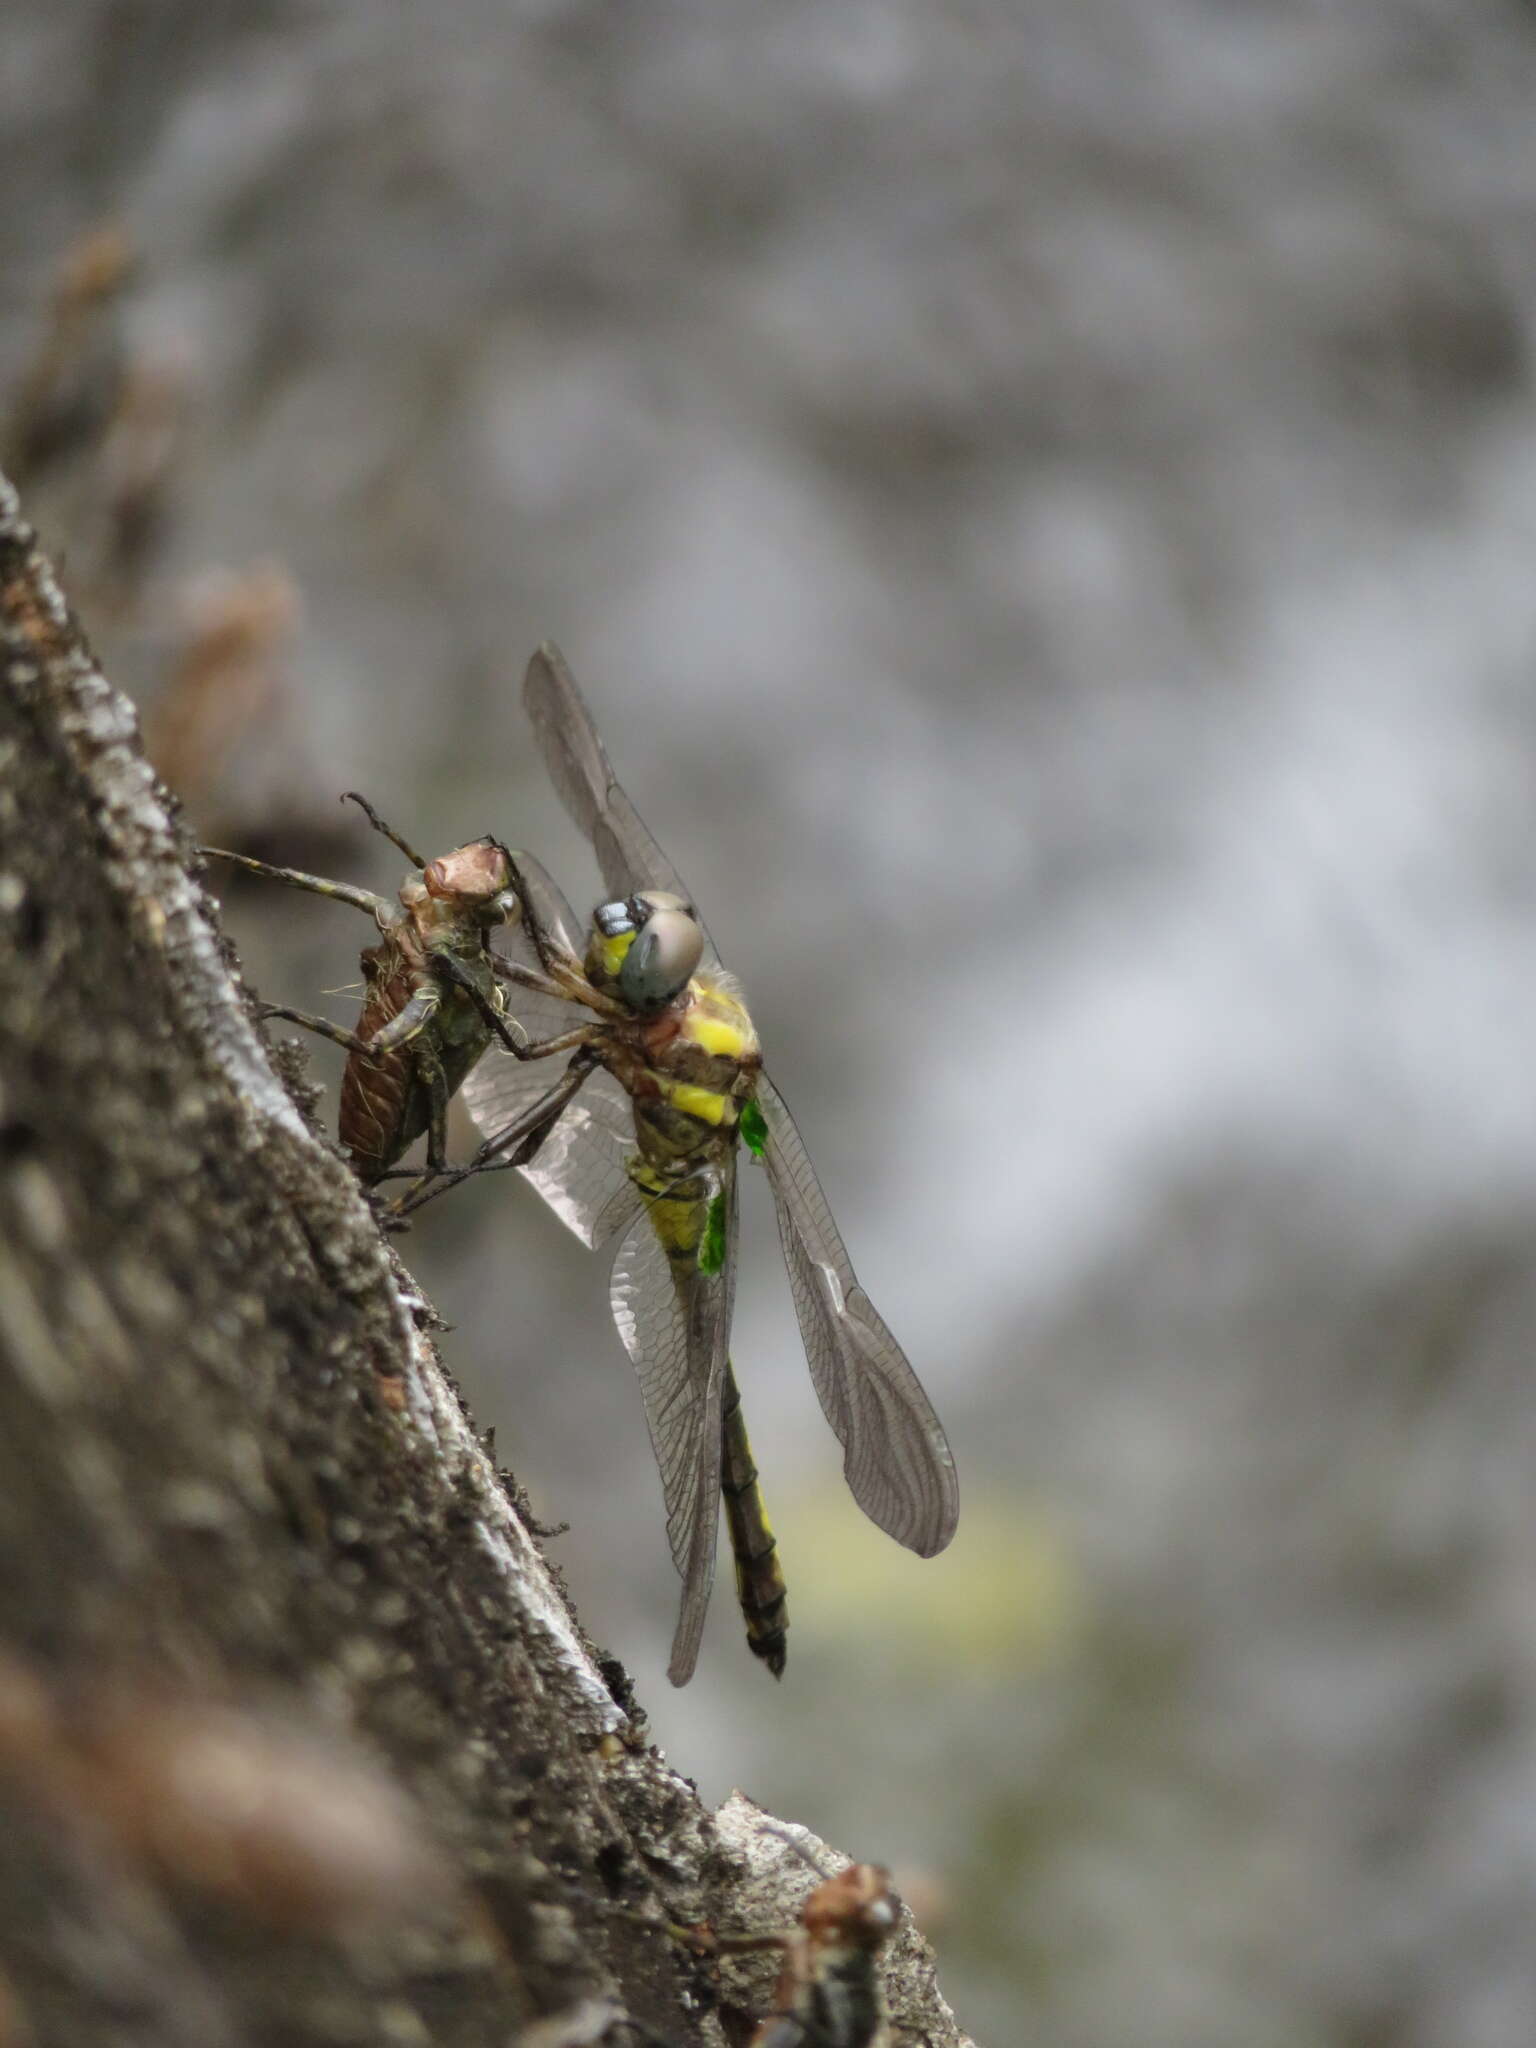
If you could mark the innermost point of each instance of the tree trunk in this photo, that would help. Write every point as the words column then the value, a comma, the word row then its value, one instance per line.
column 299, row 1742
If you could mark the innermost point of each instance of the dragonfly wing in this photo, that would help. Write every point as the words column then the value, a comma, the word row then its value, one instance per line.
column 550, row 909
column 581, row 1169
column 675, row 1318
column 895, row 1456
column 583, row 775
column 577, row 761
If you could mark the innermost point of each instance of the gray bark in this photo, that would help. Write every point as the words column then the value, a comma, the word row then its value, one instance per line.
column 299, row 1740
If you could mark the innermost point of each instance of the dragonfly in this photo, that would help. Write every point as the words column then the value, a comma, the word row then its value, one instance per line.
column 638, row 1145
column 829, row 1993
column 829, row 1989
column 432, row 1001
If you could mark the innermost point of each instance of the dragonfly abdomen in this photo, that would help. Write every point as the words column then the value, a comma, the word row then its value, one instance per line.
column 760, row 1584
column 386, row 1103
column 840, row 2008
column 375, row 1122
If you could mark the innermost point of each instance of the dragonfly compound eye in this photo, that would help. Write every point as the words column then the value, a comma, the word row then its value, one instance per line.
column 661, row 961
column 644, row 901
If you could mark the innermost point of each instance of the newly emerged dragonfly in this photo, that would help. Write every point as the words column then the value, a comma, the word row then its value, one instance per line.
column 665, row 1081
column 432, row 1003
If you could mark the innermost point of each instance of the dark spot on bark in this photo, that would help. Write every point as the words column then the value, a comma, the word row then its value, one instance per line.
column 620, row 1687
column 31, row 923
column 18, row 1140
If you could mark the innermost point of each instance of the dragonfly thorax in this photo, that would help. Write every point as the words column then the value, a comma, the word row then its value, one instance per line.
column 688, row 1068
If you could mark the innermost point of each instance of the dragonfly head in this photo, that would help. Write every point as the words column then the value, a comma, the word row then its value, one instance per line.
column 476, row 878
column 645, row 948
column 857, row 1909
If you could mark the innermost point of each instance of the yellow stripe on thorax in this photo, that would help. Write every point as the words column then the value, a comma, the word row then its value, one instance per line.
column 611, row 952
column 718, row 1036
column 707, row 1104
column 717, row 1022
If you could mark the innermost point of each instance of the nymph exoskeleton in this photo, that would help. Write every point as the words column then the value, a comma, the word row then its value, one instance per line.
column 432, row 1001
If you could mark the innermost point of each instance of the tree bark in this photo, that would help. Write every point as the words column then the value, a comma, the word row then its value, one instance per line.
column 299, row 1741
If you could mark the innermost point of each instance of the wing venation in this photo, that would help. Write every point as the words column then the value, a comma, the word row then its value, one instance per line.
column 674, row 1320
column 583, row 776
column 896, row 1458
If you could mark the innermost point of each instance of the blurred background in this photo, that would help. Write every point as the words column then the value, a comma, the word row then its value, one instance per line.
column 1041, row 499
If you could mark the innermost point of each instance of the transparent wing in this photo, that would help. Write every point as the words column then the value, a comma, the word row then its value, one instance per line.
column 543, row 898
column 895, row 1456
column 675, row 1322
column 581, row 1168
column 579, row 768
column 541, row 1016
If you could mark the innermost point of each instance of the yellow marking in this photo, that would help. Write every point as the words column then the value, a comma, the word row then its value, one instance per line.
column 704, row 1103
column 677, row 1219
column 748, row 1503
column 759, row 1576
column 611, row 952
column 716, row 1036
column 678, row 1226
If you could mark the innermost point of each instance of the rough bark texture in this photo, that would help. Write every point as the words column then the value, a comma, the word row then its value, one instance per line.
column 298, row 1740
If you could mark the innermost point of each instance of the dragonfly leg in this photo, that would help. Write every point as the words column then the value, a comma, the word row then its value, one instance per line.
column 317, row 885
column 574, row 988
column 430, row 1070
column 321, row 1026
column 448, row 967
column 740, row 1944
column 522, row 1138
column 703, row 1940
column 552, row 954
column 564, row 1041
column 527, row 977
column 410, row 1021
column 516, row 1145
column 378, row 824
